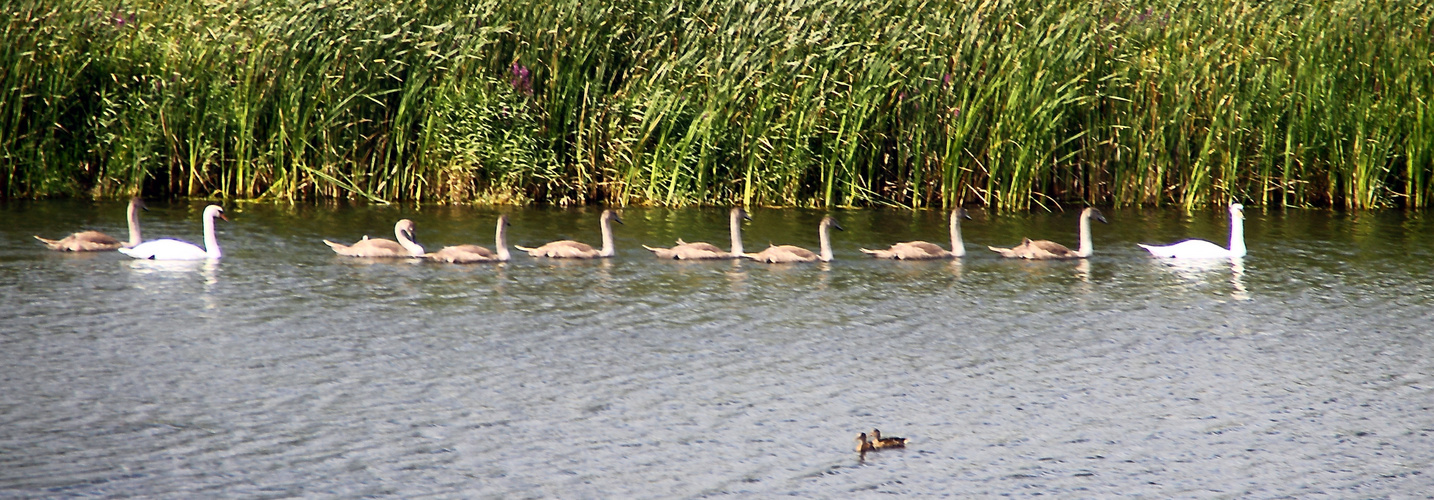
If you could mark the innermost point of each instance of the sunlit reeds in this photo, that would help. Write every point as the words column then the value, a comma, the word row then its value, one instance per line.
column 1009, row 103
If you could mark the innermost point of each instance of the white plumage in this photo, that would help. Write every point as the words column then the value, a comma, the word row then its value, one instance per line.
column 172, row 249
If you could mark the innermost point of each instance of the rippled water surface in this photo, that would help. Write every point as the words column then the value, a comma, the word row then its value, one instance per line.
column 1305, row 370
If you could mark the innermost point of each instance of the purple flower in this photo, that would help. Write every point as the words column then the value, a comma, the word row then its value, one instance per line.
column 521, row 79
column 946, row 79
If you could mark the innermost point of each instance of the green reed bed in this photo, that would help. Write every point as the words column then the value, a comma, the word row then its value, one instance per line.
column 1012, row 104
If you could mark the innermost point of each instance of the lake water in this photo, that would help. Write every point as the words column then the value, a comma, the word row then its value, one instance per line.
column 1305, row 370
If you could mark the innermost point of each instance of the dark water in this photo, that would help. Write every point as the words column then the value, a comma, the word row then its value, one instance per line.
column 1307, row 370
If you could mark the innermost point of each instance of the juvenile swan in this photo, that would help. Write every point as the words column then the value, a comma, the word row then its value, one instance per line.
column 918, row 250
column 1201, row 249
column 95, row 241
column 1046, row 249
column 702, row 250
column 379, row 247
column 467, row 254
column 170, row 249
column 569, row 249
column 781, row 254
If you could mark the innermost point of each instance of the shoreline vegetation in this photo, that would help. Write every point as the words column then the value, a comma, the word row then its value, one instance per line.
column 1011, row 104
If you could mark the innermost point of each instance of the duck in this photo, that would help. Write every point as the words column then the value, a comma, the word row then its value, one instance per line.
column 569, row 249
column 468, row 254
column 921, row 250
column 863, row 445
column 1201, row 249
column 879, row 442
column 171, row 249
column 95, row 241
column 782, row 254
column 383, row 248
column 1050, row 250
column 707, row 251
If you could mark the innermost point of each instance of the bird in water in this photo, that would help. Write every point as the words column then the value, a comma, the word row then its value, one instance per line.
column 882, row 443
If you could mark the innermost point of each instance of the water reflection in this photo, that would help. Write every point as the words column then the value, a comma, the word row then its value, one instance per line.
column 1237, row 279
column 1198, row 272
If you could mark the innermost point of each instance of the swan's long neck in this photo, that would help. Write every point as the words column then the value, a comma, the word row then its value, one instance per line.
column 133, row 215
column 1237, row 234
column 736, row 233
column 414, row 249
column 211, row 242
column 824, row 233
column 608, row 249
column 1085, row 243
column 958, row 249
column 501, row 240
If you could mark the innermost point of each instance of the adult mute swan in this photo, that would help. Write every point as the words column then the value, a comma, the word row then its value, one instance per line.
column 383, row 248
column 171, row 249
column 920, row 250
column 95, row 241
column 468, row 254
column 706, row 251
column 1050, row 250
column 569, row 249
column 782, row 254
column 1201, row 249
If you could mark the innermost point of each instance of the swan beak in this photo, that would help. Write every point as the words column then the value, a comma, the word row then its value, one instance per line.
column 837, row 225
column 962, row 213
column 1095, row 214
column 221, row 216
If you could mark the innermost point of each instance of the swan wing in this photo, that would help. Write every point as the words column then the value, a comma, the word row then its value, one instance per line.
column 166, row 249
column 1048, row 249
column 463, row 254
column 699, row 246
column 86, row 241
column 920, row 250
column 783, row 254
column 565, row 249
column 1189, row 249
column 370, row 247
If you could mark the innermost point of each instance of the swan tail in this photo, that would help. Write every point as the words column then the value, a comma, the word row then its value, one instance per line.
column 663, row 253
column 1005, row 252
column 53, row 244
column 1155, row 250
column 880, row 254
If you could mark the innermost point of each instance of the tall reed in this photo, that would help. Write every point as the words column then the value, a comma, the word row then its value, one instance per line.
column 1009, row 103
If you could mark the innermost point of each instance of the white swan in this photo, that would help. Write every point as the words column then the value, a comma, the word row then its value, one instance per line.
column 170, row 249
column 921, row 250
column 1201, row 249
column 95, row 241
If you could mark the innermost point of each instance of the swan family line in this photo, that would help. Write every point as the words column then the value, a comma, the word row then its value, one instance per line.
column 406, row 248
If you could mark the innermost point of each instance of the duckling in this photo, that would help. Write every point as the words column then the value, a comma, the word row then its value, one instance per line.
column 862, row 445
column 879, row 442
